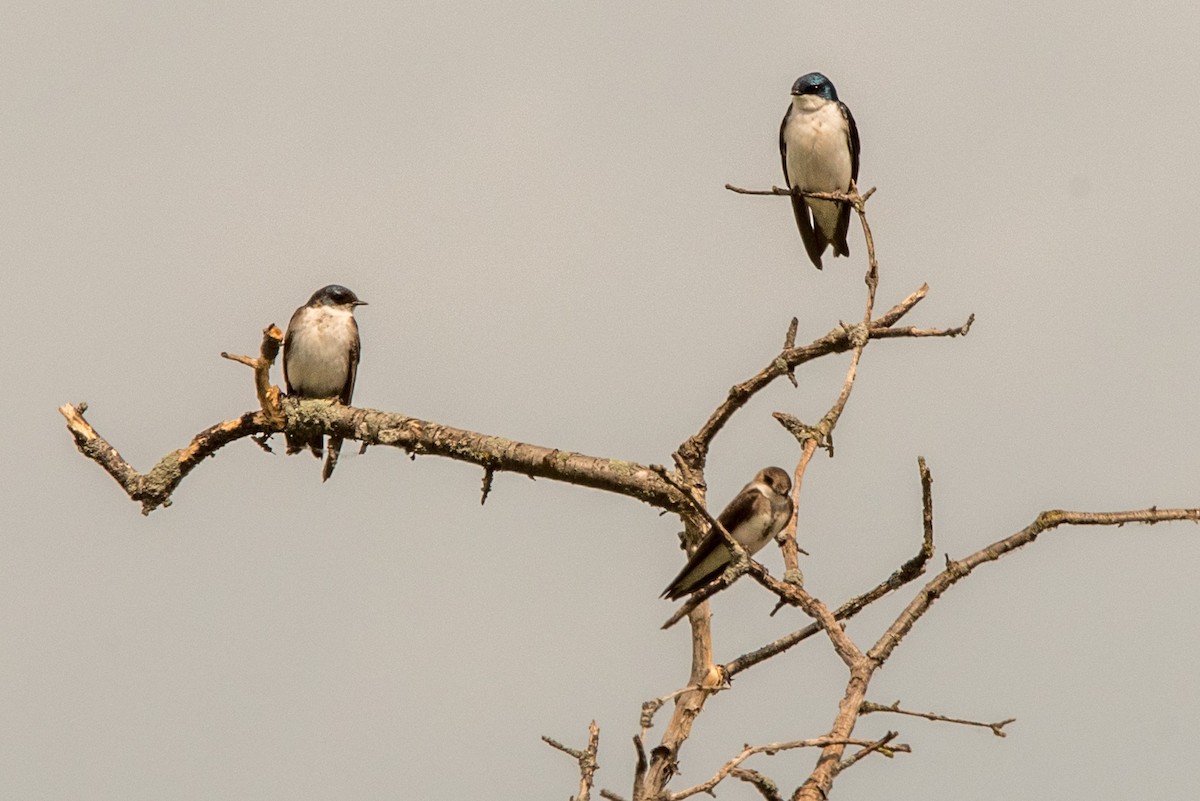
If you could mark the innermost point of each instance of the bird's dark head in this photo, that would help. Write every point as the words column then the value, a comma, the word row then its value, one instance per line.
column 335, row 295
column 776, row 478
column 814, row 83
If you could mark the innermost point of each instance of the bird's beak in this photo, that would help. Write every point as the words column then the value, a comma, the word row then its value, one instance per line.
column 361, row 303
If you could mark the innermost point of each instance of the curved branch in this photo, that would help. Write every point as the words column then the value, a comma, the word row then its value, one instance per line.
column 956, row 571
column 817, row 786
column 373, row 427
column 154, row 487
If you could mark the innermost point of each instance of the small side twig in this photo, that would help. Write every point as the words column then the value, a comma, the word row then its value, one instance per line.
column 639, row 771
column 267, row 393
column 881, row 746
column 767, row 788
column 694, row 450
column 913, row 331
column 867, row 707
column 789, row 342
column 586, row 759
column 488, row 475
column 926, row 509
column 770, row 749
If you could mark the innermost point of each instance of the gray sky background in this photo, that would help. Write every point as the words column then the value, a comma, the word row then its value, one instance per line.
column 530, row 196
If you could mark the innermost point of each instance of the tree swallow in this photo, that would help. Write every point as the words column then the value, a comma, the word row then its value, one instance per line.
column 819, row 144
column 320, row 358
column 753, row 518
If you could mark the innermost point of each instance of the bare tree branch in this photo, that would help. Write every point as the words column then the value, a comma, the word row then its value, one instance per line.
column 958, row 570
column 879, row 746
column 817, row 786
column 154, row 487
column 586, row 759
column 839, row 340
column 713, row 683
column 997, row 728
column 810, row 438
column 268, row 394
column 371, row 426
column 765, row 786
column 771, row 749
column 913, row 331
column 852, row 196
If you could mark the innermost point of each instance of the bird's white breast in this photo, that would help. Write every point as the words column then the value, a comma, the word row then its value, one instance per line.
column 818, row 154
column 318, row 351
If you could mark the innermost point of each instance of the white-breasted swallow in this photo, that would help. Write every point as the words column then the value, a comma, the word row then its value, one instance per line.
column 752, row 518
column 320, row 358
column 818, row 141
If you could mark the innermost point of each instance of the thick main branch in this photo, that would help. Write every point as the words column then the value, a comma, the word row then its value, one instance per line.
column 372, row 426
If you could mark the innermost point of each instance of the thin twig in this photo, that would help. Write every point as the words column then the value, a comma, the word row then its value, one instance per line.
column 880, row 746
column 488, row 475
column 914, row 332
column 796, row 595
column 639, row 771
column 717, row 682
column 769, row 749
column 268, row 395
column 585, row 757
column 767, row 788
column 810, row 437
column 778, row 191
column 867, row 707
column 694, row 450
column 956, row 571
column 789, row 342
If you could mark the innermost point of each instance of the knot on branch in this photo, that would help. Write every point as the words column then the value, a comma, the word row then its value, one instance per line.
column 820, row 434
column 858, row 334
column 794, row 576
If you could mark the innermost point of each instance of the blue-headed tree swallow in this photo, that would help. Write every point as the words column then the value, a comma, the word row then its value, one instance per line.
column 752, row 518
column 320, row 358
column 819, row 144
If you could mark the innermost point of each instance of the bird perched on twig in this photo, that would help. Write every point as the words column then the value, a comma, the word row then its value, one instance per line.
column 320, row 359
column 818, row 141
column 752, row 518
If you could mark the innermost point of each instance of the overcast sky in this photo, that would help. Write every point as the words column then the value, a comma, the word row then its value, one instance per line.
column 530, row 196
